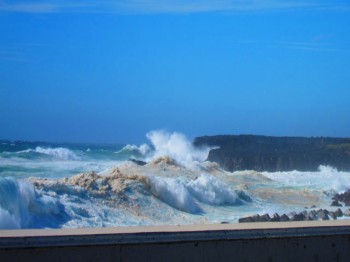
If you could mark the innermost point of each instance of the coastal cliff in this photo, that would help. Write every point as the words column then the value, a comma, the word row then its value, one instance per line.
column 265, row 153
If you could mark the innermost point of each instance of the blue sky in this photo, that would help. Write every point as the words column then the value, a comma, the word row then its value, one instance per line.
column 110, row 71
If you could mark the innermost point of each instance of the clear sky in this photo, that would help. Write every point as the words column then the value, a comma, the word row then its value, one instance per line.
column 110, row 71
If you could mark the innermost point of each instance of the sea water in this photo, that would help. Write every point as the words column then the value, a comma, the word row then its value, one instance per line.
column 57, row 185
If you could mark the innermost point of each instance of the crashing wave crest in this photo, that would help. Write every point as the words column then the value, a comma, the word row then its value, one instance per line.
column 23, row 207
column 139, row 151
column 176, row 146
column 58, row 153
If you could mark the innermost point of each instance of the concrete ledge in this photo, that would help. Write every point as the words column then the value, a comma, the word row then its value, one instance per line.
column 323, row 239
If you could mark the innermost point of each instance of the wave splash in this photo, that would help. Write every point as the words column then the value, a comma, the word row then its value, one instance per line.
column 58, row 153
column 170, row 145
column 178, row 147
column 21, row 206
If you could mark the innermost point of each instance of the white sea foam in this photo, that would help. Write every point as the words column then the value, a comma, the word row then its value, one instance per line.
column 178, row 147
column 326, row 178
column 338, row 181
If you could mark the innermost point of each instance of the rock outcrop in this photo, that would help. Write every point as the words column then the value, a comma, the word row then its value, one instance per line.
column 264, row 153
column 313, row 215
column 343, row 197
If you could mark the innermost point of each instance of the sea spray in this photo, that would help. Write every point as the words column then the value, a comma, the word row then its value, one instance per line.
column 178, row 147
column 165, row 144
column 339, row 181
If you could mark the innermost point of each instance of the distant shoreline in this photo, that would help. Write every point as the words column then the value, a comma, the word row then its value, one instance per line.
column 276, row 154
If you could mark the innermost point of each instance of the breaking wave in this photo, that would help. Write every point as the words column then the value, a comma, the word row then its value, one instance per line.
column 210, row 190
column 174, row 192
column 178, row 147
column 23, row 207
column 186, row 195
column 135, row 151
column 58, row 153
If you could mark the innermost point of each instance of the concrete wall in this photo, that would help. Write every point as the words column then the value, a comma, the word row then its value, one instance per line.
column 306, row 241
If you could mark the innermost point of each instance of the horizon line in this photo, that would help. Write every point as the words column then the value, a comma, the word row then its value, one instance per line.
column 148, row 7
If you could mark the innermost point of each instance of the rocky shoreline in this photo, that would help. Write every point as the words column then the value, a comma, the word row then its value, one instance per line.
column 344, row 198
column 312, row 215
column 339, row 200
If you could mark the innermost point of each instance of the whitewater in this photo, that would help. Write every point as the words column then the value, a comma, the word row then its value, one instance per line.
column 166, row 181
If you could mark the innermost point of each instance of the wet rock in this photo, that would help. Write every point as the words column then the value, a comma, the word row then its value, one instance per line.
column 264, row 218
column 343, row 197
column 138, row 162
column 335, row 203
column 245, row 220
column 297, row 217
column 322, row 214
column 256, row 218
column 276, row 218
column 284, row 218
column 311, row 215
column 335, row 214
column 307, row 216
column 332, row 215
column 338, row 213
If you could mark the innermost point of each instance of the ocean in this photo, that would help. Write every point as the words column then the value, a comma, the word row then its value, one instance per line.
column 165, row 181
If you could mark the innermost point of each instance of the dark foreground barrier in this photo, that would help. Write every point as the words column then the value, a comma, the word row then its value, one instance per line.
column 292, row 241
